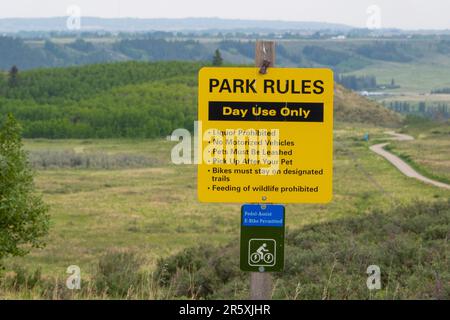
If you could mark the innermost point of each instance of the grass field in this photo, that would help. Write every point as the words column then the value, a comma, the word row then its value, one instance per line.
column 413, row 88
column 432, row 70
column 130, row 219
column 154, row 210
column 429, row 153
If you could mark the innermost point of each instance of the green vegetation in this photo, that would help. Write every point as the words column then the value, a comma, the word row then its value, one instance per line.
column 153, row 211
column 13, row 77
column 129, row 100
column 429, row 153
column 113, row 100
column 357, row 83
column 78, row 159
column 68, row 85
column 117, row 275
column 217, row 59
column 24, row 219
column 422, row 169
column 149, row 49
column 387, row 51
column 16, row 52
column 441, row 91
column 432, row 69
column 329, row 260
column 131, row 220
column 358, row 59
column 347, row 55
column 350, row 107
column 325, row 56
column 433, row 109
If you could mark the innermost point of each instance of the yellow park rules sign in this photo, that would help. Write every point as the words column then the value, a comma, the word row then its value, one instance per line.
column 265, row 138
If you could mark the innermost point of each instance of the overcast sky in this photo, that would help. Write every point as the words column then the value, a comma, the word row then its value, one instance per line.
column 405, row 14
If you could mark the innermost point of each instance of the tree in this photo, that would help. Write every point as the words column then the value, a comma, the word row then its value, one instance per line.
column 217, row 59
column 23, row 215
column 13, row 76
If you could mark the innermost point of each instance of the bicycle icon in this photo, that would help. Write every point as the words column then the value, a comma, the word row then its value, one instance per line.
column 262, row 252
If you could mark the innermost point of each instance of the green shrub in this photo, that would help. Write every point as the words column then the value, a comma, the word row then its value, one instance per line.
column 118, row 273
column 329, row 260
column 93, row 160
column 23, row 278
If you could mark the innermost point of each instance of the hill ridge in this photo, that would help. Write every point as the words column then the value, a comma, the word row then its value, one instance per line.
column 164, row 24
column 131, row 99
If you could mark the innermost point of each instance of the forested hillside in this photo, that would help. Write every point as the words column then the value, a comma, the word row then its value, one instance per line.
column 111, row 100
column 342, row 56
column 130, row 99
column 62, row 85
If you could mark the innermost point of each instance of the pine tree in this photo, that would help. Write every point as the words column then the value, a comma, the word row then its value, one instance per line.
column 13, row 76
column 23, row 215
column 217, row 59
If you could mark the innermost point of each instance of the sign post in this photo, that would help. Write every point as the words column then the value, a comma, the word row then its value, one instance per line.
column 261, row 282
column 266, row 137
column 262, row 246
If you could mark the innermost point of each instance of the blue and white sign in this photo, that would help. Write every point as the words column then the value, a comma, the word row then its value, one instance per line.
column 254, row 215
column 262, row 238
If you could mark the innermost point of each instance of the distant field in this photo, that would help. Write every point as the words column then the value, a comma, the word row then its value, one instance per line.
column 154, row 210
column 68, row 40
column 414, row 97
column 414, row 77
column 430, row 151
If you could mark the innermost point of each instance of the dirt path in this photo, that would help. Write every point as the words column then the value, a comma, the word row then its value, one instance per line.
column 401, row 165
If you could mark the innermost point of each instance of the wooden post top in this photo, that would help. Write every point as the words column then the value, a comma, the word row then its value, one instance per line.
column 265, row 55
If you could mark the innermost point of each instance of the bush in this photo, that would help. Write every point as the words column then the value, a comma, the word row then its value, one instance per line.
column 22, row 278
column 118, row 274
column 98, row 160
column 329, row 260
column 198, row 272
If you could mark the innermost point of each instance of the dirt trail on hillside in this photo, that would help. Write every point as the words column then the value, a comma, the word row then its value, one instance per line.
column 401, row 165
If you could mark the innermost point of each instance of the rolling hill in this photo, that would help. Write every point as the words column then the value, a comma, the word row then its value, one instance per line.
column 351, row 107
column 343, row 56
column 185, row 24
column 131, row 99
